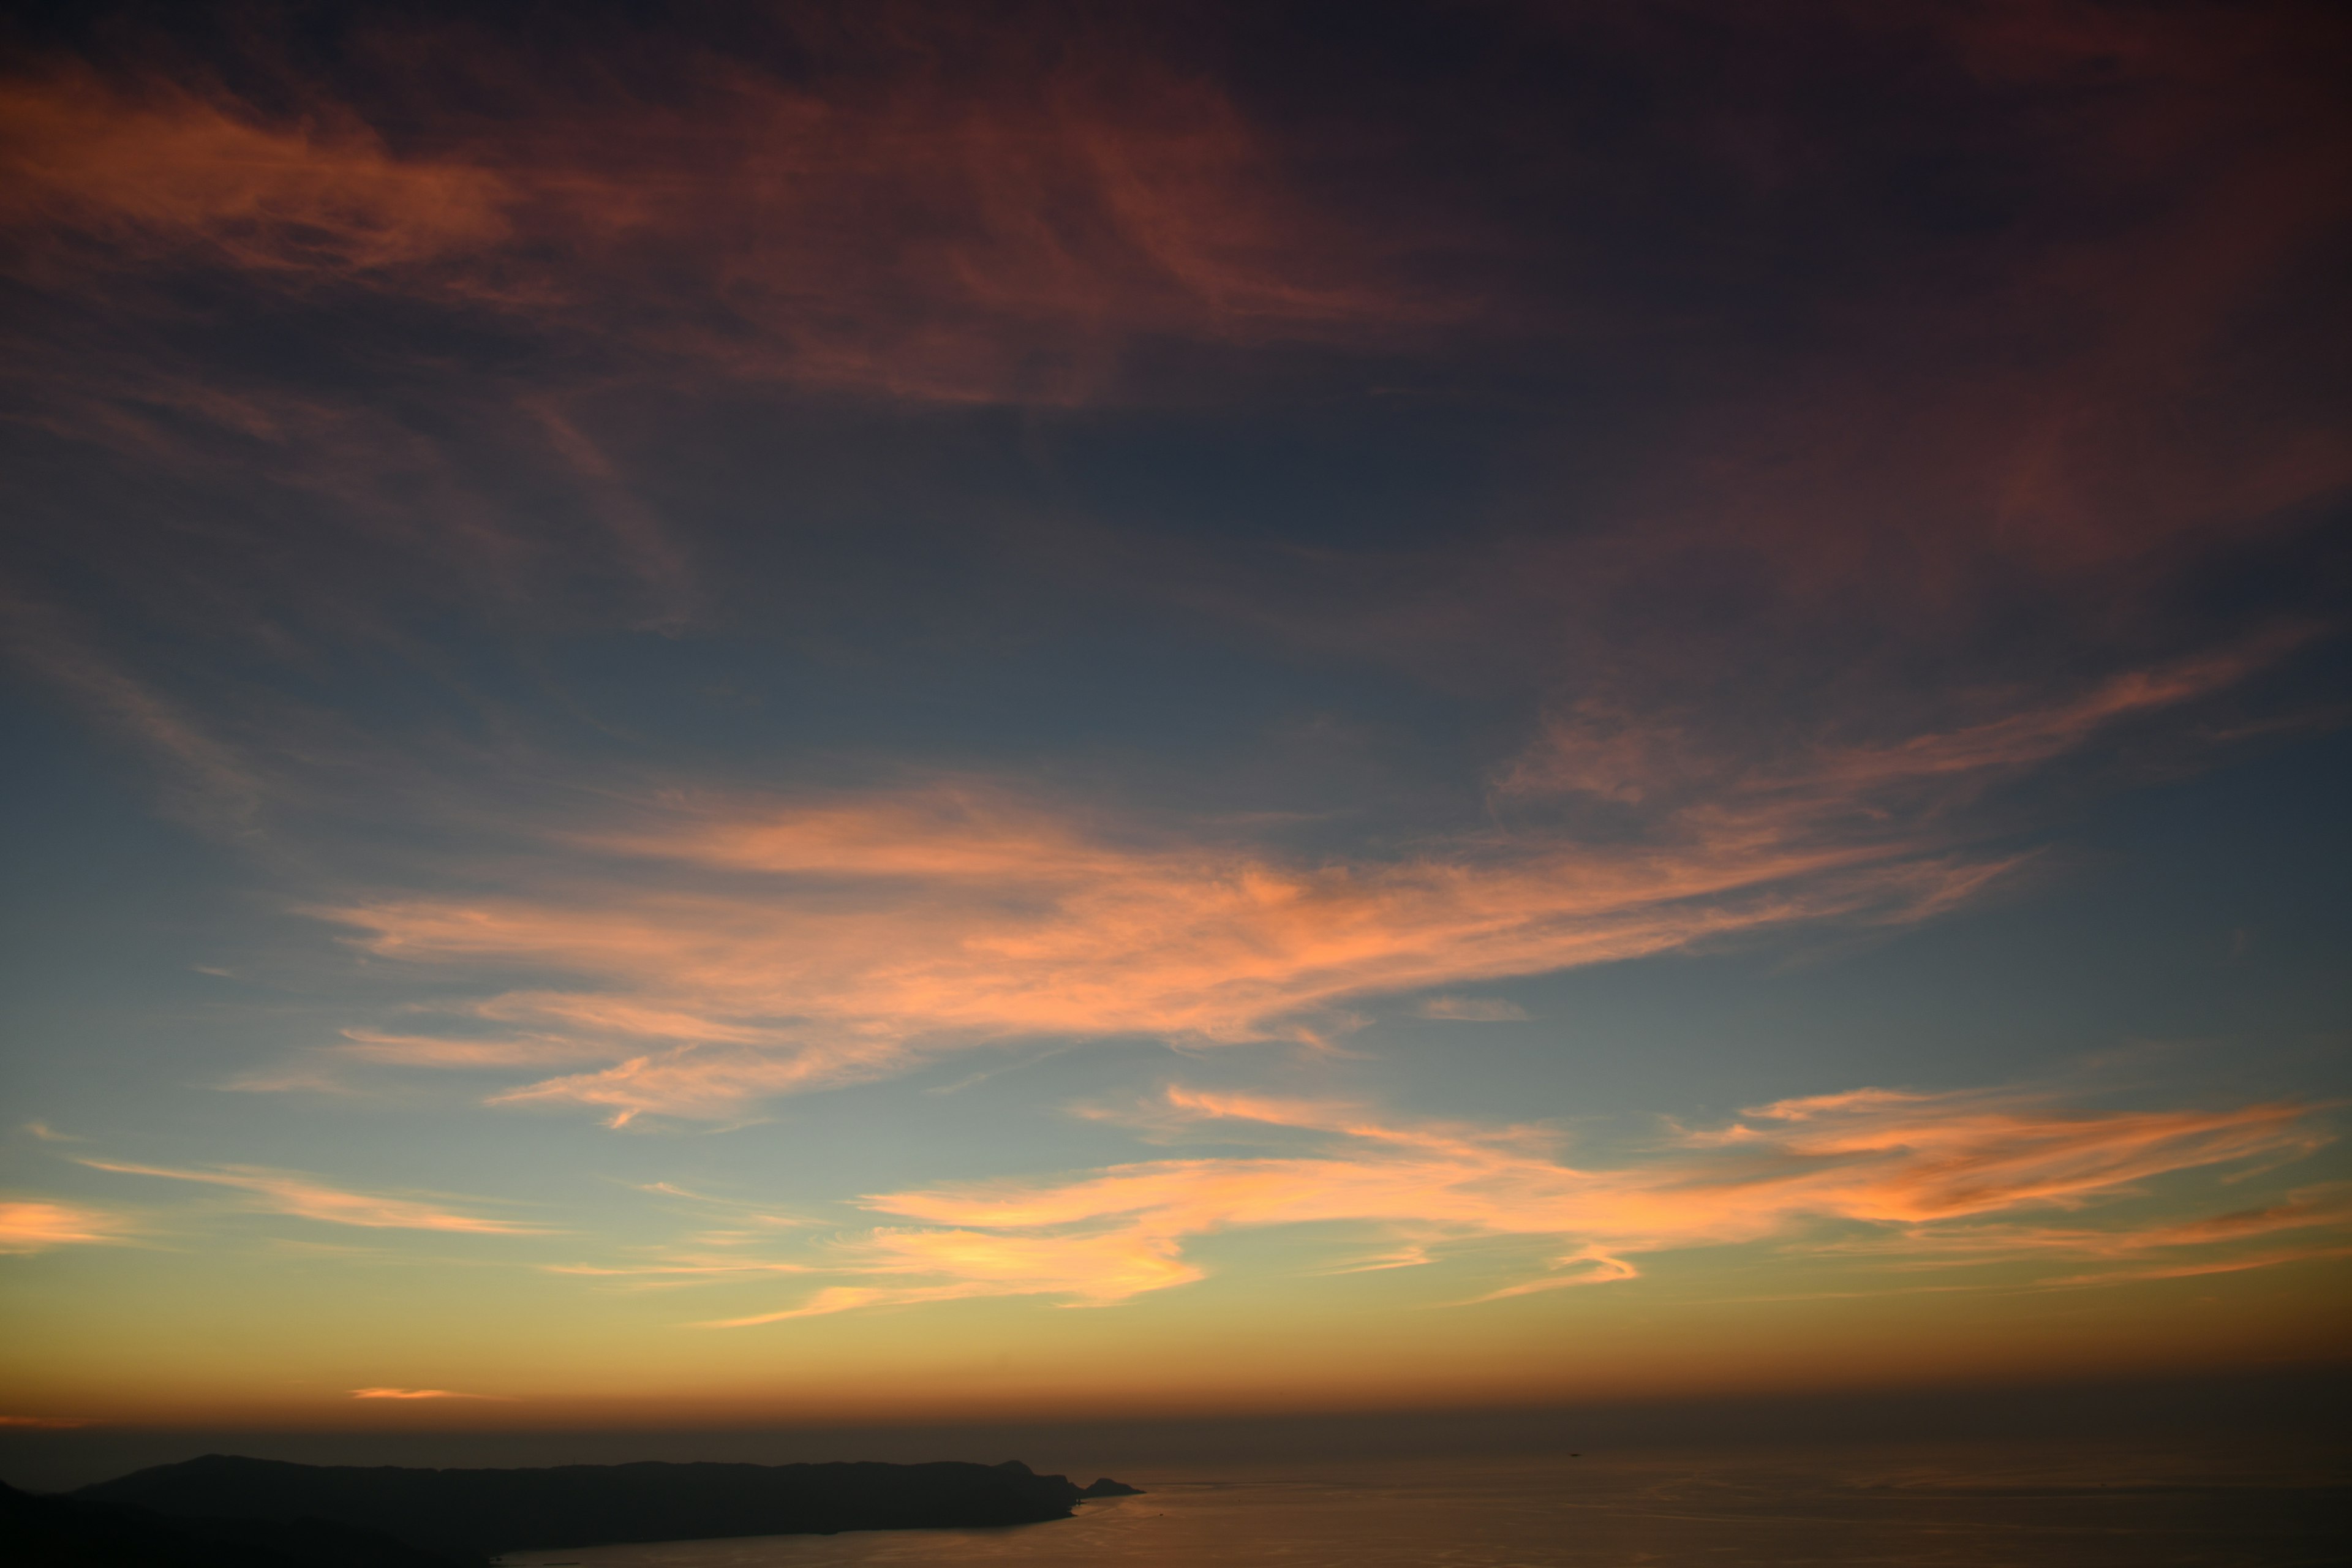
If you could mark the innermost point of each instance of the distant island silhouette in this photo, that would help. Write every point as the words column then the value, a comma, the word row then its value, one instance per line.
column 444, row 1517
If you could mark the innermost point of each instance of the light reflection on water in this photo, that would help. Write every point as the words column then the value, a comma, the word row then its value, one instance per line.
column 1948, row 1507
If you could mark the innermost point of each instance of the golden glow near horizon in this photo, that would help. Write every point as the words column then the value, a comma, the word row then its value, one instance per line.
column 1837, row 1242
column 922, row 721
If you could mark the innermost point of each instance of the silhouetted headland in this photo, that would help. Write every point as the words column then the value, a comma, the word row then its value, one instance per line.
column 474, row 1514
column 69, row 1532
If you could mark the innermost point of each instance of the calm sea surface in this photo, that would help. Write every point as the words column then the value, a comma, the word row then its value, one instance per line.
column 1905, row 1507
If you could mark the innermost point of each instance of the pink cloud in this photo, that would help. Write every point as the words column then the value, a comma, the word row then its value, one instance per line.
column 1096, row 1269
column 306, row 1197
column 712, row 999
column 2276, row 1257
column 874, row 226
column 153, row 171
column 36, row 1225
column 422, row 1393
column 765, row 951
column 2326, row 1206
column 1596, row 747
column 724, row 951
column 1929, row 1176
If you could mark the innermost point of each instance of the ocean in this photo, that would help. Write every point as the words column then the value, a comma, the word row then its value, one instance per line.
column 2070, row 1505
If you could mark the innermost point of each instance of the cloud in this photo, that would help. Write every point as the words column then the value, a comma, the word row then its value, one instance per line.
column 2327, row 1206
column 422, row 1393
column 306, row 1197
column 209, row 781
column 683, row 1268
column 788, row 949
column 1923, row 1176
column 1588, row 1265
column 35, row 1226
column 2316, row 1253
column 436, row 1051
column 863, row 221
column 740, row 951
column 1086, row 1270
column 1473, row 1010
column 1596, row 747
column 47, row 1423
column 850, row 218
column 128, row 174
column 1003, row 221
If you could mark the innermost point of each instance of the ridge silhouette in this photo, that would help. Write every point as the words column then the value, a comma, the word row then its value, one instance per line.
column 479, row 1513
column 71, row 1532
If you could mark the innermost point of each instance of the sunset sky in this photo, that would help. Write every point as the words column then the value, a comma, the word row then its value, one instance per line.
column 733, row 714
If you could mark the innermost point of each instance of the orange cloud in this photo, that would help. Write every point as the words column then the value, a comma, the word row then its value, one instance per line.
column 1091, row 1269
column 122, row 175
column 430, row 1050
column 305, row 1198
column 421, row 1393
column 2191, row 1270
column 1473, row 1010
column 779, row 949
column 877, row 930
column 1594, row 748
column 2327, row 1206
column 1926, row 1173
column 32, row 1226
column 877, row 224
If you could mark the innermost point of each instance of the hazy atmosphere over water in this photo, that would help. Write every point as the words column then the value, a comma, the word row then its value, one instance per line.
column 731, row 716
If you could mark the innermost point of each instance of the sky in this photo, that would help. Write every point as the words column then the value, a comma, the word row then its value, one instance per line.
column 728, row 713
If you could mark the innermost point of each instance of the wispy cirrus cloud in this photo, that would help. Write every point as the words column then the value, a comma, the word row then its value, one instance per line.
column 2193, row 1269
column 304, row 1196
column 1088, row 1270
column 873, row 932
column 1926, row 1177
column 725, row 951
column 865, row 221
column 127, row 173
column 1473, row 1010
column 2325, row 1208
column 210, row 780
column 1596, row 747
column 683, row 1266
column 31, row 1225
column 425, row 1393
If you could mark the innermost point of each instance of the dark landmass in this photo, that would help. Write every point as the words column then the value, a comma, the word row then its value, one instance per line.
column 472, row 1514
column 68, row 1532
